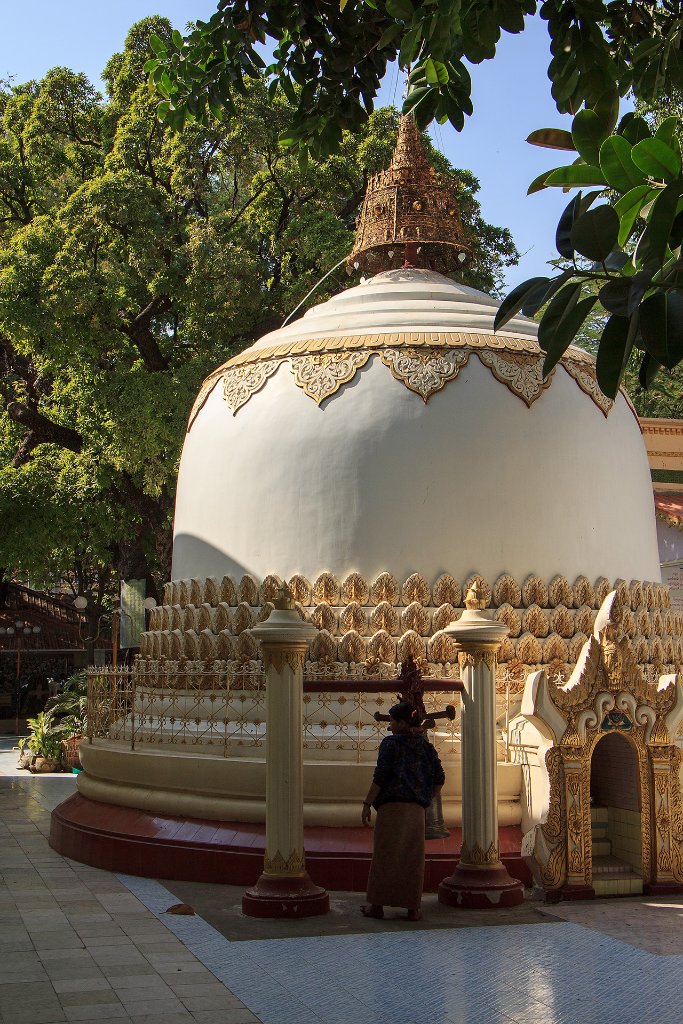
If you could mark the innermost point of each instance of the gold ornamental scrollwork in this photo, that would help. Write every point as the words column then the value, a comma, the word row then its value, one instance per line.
column 241, row 382
column 584, row 375
column 424, row 372
column 520, row 372
column 320, row 376
column 295, row 864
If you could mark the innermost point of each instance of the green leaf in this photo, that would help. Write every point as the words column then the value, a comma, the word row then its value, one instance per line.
column 543, row 293
column 561, row 330
column 614, row 296
column 634, row 129
column 594, row 234
column 656, row 159
column 177, row 39
column 389, row 36
column 552, row 138
column 538, row 183
column 661, row 326
column 667, row 133
column 612, row 355
column 158, row 45
column 410, row 47
column 403, row 10
column 576, row 174
column 628, row 208
column 588, row 135
column 513, row 302
column 616, row 163
column 649, row 369
column 655, row 238
column 564, row 228
column 607, row 109
column 435, row 72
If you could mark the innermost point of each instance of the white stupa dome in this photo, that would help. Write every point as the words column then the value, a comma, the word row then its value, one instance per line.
column 390, row 430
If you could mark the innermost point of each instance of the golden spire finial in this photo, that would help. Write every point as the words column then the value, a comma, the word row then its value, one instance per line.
column 474, row 597
column 408, row 218
column 284, row 601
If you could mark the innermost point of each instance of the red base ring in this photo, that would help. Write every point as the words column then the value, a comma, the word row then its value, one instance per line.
column 474, row 888
column 285, row 896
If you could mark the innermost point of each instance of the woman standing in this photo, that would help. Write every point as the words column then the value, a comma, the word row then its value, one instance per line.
column 407, row 774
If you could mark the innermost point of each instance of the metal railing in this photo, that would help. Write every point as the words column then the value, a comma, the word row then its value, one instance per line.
column 222, row 709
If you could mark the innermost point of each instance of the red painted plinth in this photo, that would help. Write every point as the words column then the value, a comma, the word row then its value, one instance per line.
column 662, row 888
column 474, row 888
column 285, row 896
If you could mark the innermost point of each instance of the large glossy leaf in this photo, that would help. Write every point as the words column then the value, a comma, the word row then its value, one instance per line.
column 656, row 159
column 401, row 9
column 607, row 107
column 552, row 138
column 655, row 238
column 576, row 174
column 562, row 324
column 538, row 183
column 614, row 296
column 594, row 234
column 661, row 326
column 628, row 208
column 564, row 227
column 634, row 128
column 513, row 302
column 588, row 135
column 543, row 293
column 649, row 368
column 616, row 163
column 612, row 354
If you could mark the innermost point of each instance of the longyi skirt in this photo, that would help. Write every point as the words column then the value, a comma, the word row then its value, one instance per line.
column 398, row 856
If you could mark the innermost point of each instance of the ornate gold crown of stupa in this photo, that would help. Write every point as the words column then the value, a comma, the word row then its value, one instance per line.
column 408, row 217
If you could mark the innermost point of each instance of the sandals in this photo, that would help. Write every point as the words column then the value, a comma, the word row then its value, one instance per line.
column 370, row 910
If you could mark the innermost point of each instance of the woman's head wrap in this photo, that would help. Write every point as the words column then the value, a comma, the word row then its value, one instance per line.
column 405, row 712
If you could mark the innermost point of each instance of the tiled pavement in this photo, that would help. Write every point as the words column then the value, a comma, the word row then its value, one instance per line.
column 79, row 944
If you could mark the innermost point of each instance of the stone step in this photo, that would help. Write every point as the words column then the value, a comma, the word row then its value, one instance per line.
column 601, row 848
column 610, row 865
column 599, row 814
column 617, row 883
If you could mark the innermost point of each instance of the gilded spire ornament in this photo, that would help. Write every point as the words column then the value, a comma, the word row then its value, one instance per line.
column 408, row 217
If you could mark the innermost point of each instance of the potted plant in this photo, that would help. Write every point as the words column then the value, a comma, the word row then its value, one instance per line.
column 69, row 712
column 44, row 743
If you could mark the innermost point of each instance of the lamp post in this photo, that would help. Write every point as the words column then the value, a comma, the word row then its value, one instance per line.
column 21, row 631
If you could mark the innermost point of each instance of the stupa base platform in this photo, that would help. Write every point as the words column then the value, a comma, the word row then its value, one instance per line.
column 199, row 850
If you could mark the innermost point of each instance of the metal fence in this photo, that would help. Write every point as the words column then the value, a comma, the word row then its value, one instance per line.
column 222, row 710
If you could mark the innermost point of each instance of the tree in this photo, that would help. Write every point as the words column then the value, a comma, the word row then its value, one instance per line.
column 133, row 261
column 338, row 53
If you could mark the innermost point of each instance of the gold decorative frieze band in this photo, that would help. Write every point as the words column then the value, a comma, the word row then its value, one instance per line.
column 424, row 362
column 295, row 864
column 476, row 857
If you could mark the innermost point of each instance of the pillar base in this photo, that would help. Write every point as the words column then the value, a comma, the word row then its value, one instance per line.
column 481, row 888
column 662, row 888
column 285, row 896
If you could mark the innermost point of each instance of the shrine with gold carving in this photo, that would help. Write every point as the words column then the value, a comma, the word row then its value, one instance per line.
column 385, row 455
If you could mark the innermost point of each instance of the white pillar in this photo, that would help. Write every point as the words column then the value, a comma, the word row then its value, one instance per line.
column 284, row 889
column 480, row 880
